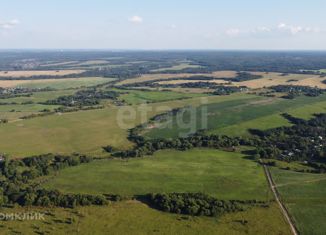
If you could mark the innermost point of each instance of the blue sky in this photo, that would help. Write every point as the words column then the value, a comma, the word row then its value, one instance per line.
column 156, row 24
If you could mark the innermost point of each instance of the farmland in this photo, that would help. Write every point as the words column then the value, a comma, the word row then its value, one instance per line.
column 220, row 174
column 122, row 217
column 19, row 74
column 54, row 83
column 237, row 116
column 304, row 195
column 85, row 131
column 162, row 142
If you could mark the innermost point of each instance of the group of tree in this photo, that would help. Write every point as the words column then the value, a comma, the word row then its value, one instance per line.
column 88, row 97
column 17, row 186
column 148, row 147
column 303, row 141
column 294, row 91
column 197, row 204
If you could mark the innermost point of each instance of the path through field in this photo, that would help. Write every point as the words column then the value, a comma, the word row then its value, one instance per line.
column 279, row 202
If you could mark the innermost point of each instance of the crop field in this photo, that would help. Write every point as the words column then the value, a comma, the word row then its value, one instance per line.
column 177, row 67
column 273, row 79
column 235, row 117
column 110, row 130
column 123, row 217
column 304, row 195
column 85, row 131
column 140, row 97
column 153, row 77
column 65, row 83
column 17, row 74
column 224, row 175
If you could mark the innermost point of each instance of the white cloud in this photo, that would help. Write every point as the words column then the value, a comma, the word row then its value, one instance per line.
column 136, row 19
column 233, row 32
column 9, row 24
column 296, row 29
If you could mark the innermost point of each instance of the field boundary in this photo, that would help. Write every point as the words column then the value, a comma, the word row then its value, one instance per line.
column 285, row 212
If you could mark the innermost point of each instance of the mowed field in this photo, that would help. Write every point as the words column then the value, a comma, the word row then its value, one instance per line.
column 64, row 83
column 17, row 74
column 86, row 131
column 224, row 175
column 177, row 67
column 137, row 218
column 153, row 77
column 304, row 195
column 141, row 97
column 273, row 79
column 268, row 80
column 235, row 117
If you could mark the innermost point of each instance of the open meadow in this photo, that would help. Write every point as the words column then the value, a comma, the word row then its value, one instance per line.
column 86, row 131
column 304, row 195
column 236, row 117
column 123, row 217
column 20, row 74
column 224, row 175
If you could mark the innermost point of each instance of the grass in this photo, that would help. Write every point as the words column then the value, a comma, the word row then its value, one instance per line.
column 124, row 217
column 304, row 195
column 67, row 83
column 17, row 74
column 85, row 131
column 64, row 83
column 153, row 77
column 273, row 79
column 140, row 97
column 177, row 67
column 40, row 96
column 235, row 117
column 225, row 175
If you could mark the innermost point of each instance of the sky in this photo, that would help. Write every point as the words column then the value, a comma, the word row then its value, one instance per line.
column 163, row 24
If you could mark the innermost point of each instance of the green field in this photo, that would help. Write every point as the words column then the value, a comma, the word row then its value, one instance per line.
column 132, row 217
column 140, row 97
column 237, row 116
column 305, row 196
column 224, row 175
column 84, row 131
column 177, row 67
column 67, row 83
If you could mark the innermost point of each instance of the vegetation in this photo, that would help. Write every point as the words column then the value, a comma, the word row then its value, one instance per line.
column 304, row 195
column 294, row 91
column 220, row 174
column 195, row 204
column 87, row 97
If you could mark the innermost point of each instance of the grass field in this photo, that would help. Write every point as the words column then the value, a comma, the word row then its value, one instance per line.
column 132, row 217
column 55, row 83
column 177, row 67
column 273, row 79
column 236, row 117
column 221, row 174
column 305, row 196
column 17, row 74
column 85, row 131
column 153, row 77
column 140, row 97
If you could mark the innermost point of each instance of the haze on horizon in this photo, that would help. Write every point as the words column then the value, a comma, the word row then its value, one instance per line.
column 127, row 24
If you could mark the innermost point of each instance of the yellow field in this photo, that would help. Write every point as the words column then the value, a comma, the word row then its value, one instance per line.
column 17, row 74
column 273, row 79
column 268, row 80
column 153, row 77
column 15, row 83
column 176, row 82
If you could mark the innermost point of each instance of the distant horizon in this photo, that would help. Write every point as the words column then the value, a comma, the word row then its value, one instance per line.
column 160, row 50
column 163, row 25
